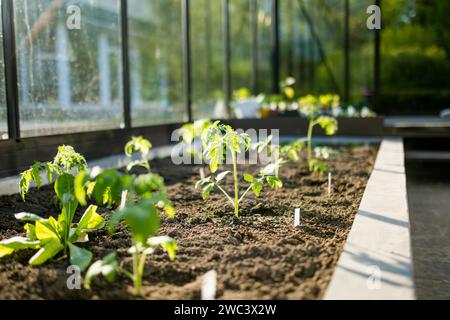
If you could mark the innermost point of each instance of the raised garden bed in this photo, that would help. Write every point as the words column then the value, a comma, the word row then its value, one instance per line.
column 261, row 256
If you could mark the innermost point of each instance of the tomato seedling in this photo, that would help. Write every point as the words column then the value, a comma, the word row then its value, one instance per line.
column 143, row 222
column 219, row 139
column 140, row 146
column 67, row 161
column 312, row 107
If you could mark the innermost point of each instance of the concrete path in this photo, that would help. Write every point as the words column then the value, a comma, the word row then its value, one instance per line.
column 429, row 199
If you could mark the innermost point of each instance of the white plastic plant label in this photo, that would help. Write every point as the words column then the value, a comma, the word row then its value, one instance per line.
column 329, row 183
column 209, row 285
column 297, row 217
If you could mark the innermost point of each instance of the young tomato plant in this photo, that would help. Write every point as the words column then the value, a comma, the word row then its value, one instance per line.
column 190, row 133
column 107, row 187
column 52, row 236
column 142, row 147
column 143, row 221
column 217, row 141
column 311, row 105
column 66, row 162
column 280, row 154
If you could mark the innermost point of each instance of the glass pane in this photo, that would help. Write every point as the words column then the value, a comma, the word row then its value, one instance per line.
column 3, row 123
column 207, row 59
column 292, row 41
column 241, row 44
column 312, row 43
column 70, row 76
column 415, row 51
column 264, row 70
column 362, row 42
column 156, row 61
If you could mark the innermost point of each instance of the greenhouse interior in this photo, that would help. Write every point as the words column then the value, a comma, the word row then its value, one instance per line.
column 225, row 150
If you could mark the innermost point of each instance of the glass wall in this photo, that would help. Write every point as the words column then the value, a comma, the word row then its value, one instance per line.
column 207, row 59
column 156, row 61
column 362, row 43
column 3, row 116
column 264, row 44
column 312, row 44
column 69, row 65
column 241, row 44
column 415, row 56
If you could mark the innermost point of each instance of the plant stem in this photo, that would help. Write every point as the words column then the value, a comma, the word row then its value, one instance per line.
column 137, row 278
column 236, row 186
column 310, row 132
column 246, row 191
column 225, row 193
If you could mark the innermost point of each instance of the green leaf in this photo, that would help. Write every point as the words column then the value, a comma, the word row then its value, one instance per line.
column 49, row 169
column 207, row 190
column 293, row 156
column 329, row 124
column 222, row 175
column 169, row 210
column 114, row 219
column 167, row 243
column 203, row 182
column 107, row 267
column 214, row 164
column 69, row 206
column 31, row 231
column 25, row 216
column 138, row 144
column 51, row 249
column 17, row 243
column 47, row 230
column 80, row 257
column 35, row 173
column 67, row 159
column 65, row 185
column 256, row 188
column 143, row 220
column 248, row 178
column 90, row 220
column 274, row 182
column 24, row 183
column 80, row 182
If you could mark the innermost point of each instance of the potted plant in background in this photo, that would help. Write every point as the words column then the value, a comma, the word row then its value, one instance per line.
column 244, row 104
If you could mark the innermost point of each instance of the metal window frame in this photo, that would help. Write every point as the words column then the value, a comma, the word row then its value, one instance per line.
column 227, row 56
column 187, row 77
column 275, row 47
column 377, row 65
column 346, row 97
column 10, row 57
column 125, row 64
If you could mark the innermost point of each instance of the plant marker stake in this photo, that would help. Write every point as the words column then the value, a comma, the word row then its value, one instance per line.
column 202, row 173
column 329, row 183
column 123, row 199
column 297, row 218
column 209, row 285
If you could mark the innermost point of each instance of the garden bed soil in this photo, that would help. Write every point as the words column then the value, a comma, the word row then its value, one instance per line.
column 259, row 256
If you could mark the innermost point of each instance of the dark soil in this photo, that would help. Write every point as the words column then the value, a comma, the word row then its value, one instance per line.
column 261, row 256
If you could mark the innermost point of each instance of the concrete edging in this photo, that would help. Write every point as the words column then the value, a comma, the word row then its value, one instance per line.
column 376, row 263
